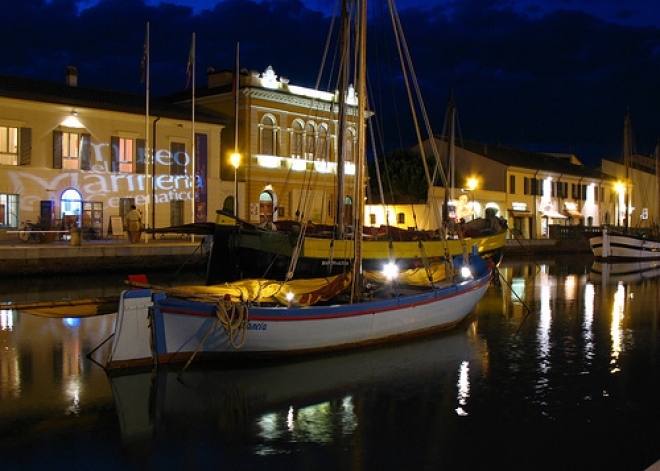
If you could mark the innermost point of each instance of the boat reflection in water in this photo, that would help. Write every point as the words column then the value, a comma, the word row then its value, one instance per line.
column 298, row 397
column 570, row 383
column 624, row 272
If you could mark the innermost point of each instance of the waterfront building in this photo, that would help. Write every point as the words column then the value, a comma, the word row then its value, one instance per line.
column 533, row 191
column 78, row 156
column 73, row 156
column 288, row 143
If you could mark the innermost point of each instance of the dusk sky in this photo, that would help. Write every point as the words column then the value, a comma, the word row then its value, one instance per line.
column 538, row 74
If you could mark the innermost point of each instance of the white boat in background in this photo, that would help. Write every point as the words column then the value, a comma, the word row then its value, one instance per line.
column 629, row 243
column 613, row 245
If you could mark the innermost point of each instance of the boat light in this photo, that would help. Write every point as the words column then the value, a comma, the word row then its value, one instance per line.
column 391, row 271
column 466, row 272
column 291, row 299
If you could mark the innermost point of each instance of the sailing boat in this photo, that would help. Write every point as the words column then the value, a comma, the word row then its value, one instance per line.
column 157, row 327
column 629, row 243
column 245, row 250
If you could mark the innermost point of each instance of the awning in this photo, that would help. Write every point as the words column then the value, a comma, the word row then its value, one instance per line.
column 520, row 214
column 575, row 214
column 553, row 215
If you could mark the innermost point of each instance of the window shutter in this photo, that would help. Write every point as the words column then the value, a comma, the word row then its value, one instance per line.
column 86, row 152
column 178, row 152
column 114, row 153
column 57, row 149
column 141, row 158
column 25, row 146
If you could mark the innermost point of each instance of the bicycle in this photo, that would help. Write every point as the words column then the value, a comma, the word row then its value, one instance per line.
column 29, row 232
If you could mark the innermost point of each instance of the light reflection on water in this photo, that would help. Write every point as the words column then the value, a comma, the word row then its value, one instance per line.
column 553, row 387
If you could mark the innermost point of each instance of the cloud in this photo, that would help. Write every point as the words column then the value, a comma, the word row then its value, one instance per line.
column 548, row 75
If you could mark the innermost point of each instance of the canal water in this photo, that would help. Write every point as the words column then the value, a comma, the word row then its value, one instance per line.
column 558, row 368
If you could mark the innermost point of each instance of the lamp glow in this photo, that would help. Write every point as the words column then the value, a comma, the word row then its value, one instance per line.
column 291, row 298
column 391, row 271
column 235, row 160
column 466, row 272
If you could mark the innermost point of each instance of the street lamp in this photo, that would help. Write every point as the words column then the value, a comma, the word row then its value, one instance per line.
column 235, row 161
column 471, row 187
column 620, row 189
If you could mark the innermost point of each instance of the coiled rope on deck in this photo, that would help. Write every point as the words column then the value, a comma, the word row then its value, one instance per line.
column 234, row 319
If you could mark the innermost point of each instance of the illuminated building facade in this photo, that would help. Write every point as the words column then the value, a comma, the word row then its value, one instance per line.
column 533, row 191
column 75, row 156
column 287, row 141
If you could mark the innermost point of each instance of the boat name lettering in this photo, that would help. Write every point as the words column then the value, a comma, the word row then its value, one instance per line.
column 257, row 326
column 334, row 262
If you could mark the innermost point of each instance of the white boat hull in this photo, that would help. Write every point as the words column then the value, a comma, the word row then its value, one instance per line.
column 183, row 329
column 622, row 246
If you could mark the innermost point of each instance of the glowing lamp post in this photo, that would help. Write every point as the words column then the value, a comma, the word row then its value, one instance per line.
column 235, row 161
column 471, row 186
column 620, row 189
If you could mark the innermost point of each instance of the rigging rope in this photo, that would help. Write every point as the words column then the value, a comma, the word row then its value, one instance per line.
column 234, row 320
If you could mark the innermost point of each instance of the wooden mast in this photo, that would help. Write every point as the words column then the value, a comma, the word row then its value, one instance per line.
column 360, row 192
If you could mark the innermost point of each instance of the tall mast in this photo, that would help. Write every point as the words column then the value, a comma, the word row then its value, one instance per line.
column 361, row 149
column 452, row 145
column 342, row 119
column 194, row 169
column 627, row 156
column 147, row 154
column 656, row 215
column 236, row 87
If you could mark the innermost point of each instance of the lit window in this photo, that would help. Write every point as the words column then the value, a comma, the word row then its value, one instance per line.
column 297, row 140
column 8, row 146
column 71, row 150
column 9, row 205
column 126, row 155
column 268, row 136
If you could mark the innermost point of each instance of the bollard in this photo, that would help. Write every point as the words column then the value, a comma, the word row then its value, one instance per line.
column 76, row 236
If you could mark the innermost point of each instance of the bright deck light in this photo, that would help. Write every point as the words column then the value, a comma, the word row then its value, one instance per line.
column 391, row 271
column 465, row 272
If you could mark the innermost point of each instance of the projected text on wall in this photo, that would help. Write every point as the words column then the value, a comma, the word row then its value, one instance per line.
column 100, row 183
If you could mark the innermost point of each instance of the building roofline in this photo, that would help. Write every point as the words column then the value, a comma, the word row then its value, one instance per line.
column 31, row 89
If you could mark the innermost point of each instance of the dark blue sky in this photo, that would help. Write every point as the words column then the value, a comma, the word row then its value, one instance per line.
column 544, row 75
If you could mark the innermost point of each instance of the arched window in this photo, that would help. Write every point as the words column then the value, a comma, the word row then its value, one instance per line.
column 71, row 208
column 310, row 141
column 268, row 136
column 350, row 146
column 297, row 139
column 322, row 143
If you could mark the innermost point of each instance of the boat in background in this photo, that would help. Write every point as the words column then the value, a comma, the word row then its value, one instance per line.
column 244, row 250
column 629, row 243
column 611, row 245
column 268, row 250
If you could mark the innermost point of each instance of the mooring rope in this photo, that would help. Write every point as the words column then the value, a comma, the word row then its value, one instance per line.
column 234, row 320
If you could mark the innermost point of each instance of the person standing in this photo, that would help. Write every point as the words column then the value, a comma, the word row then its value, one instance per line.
column 134, row 223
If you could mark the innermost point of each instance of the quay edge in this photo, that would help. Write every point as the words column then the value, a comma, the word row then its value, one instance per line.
column 22, row 259
column 104, row 256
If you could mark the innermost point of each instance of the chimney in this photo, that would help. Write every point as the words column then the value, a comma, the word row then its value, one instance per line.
column 72, row 76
